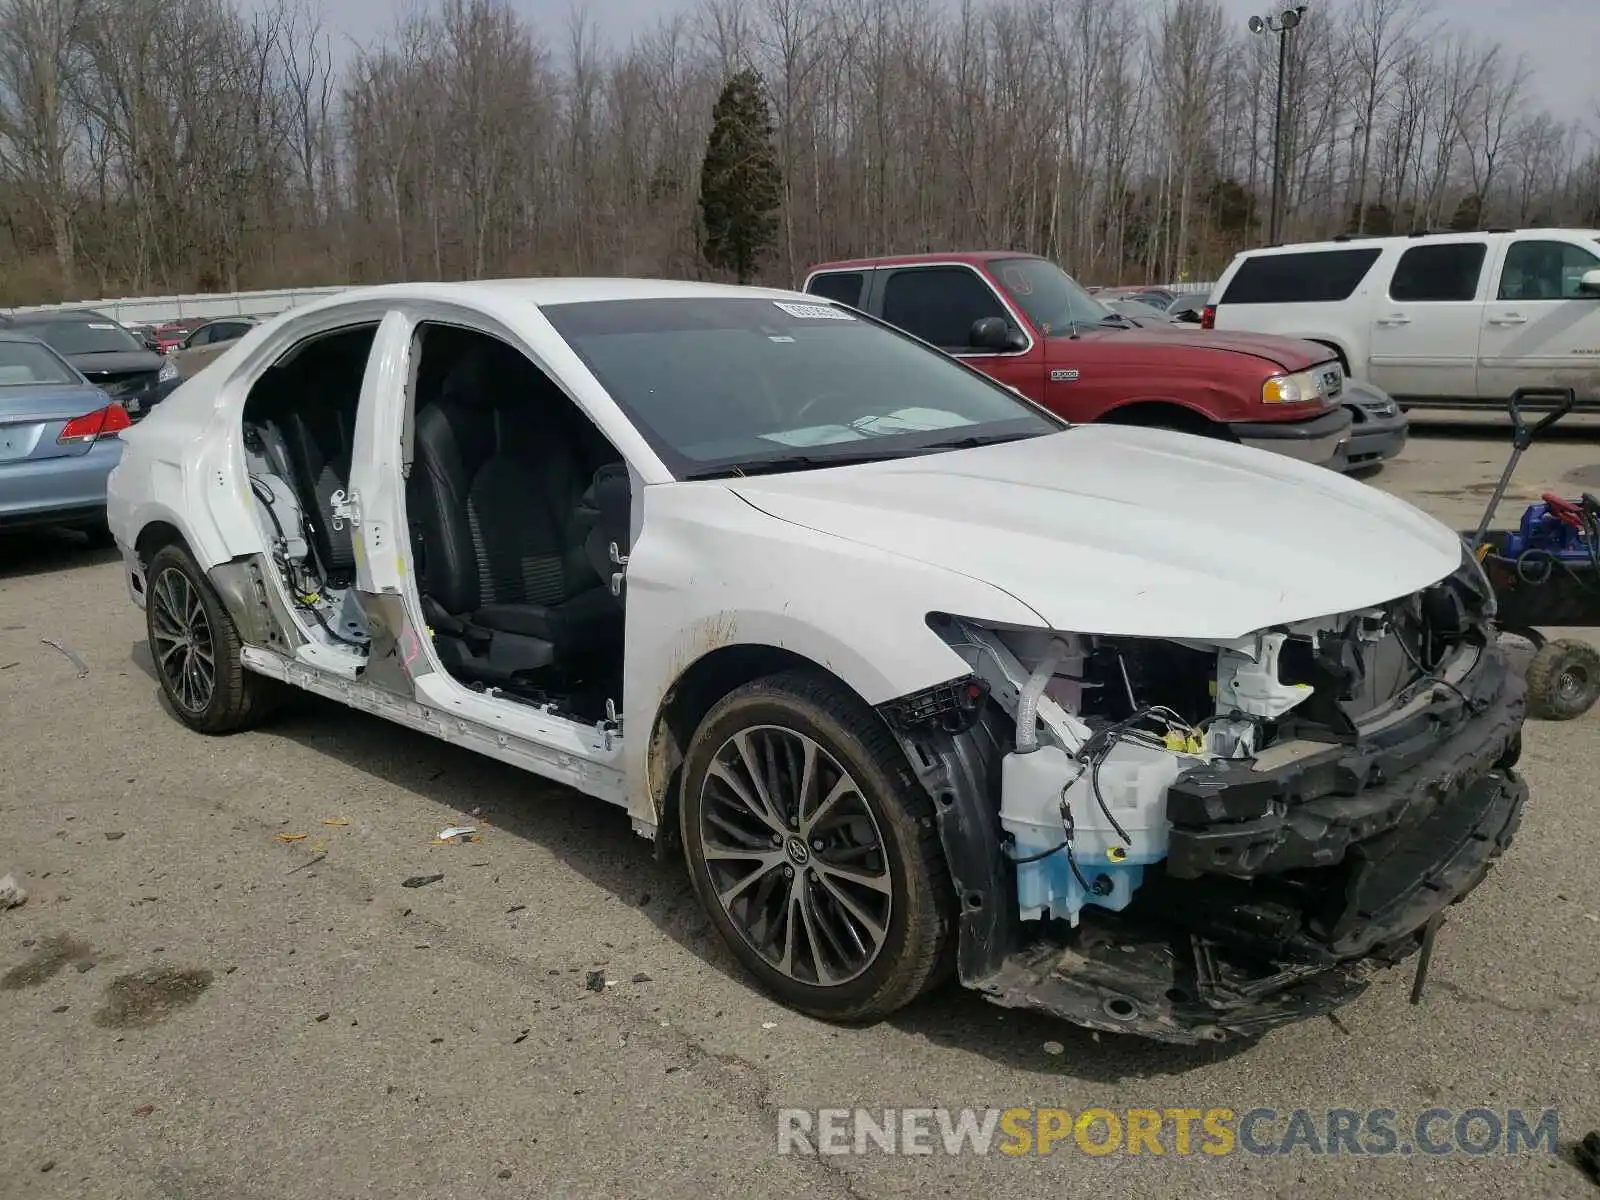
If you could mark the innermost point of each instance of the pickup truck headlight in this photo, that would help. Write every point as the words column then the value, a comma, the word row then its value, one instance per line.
column 169, row 372
column 1299, row 388
column 1285, row 389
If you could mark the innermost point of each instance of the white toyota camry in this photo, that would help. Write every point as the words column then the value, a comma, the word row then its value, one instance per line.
column 1149, row 731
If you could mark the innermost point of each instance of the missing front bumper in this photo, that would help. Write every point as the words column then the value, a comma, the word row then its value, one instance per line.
column 1284, row 889
column 1137, row 975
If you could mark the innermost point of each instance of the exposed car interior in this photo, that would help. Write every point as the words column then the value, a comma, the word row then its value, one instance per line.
column 518, row 511
column 299, row 438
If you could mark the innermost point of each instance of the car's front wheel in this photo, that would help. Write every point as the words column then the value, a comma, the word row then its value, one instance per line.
column 814, row 849
column 196, row 649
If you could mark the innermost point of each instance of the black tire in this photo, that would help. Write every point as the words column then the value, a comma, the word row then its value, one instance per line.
column 1563, row 680
column 906, row 853
column 236, row 698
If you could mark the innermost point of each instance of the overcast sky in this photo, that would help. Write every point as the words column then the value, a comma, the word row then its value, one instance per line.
column 1560, row 37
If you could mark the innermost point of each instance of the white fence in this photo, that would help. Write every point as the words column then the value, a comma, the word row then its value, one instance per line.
column 153, row 310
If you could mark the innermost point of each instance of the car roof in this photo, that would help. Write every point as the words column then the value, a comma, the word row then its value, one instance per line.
column 968, row 257
column 17, row 335
column 549, row 291
column 45, row 316
column 1356, row 241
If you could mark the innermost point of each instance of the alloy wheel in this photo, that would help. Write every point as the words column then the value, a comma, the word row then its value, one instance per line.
column 184, row 648
column 795, row 855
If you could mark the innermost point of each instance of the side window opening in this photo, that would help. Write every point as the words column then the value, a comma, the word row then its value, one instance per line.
column 1308, row 277
column 299, row 426
column 844, row 286
column 518, row 510
column 940, row 304
column 1544, row 270
column 1447, row 271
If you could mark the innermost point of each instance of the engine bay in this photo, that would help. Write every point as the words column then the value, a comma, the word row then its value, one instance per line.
column 1204, row 839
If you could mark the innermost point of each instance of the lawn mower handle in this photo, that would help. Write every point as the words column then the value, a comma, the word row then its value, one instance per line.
column 1521, row 438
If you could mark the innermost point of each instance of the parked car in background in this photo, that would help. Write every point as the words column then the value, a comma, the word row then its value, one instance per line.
column 1446, row 320
column 1156, row 297
column 881, row 642
column 1025, row 322
column 1187, row 310
column 105, row 353
column 58, row 440
column 170, row 336
column 1378, row 428
column 207, row 341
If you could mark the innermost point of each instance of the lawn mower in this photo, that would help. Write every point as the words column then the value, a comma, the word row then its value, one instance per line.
column 1546, row 573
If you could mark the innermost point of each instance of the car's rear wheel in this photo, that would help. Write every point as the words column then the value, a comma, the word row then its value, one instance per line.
column 196, row 649
column 813, row 848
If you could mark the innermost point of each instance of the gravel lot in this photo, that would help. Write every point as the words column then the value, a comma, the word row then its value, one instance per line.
column 194, row 1008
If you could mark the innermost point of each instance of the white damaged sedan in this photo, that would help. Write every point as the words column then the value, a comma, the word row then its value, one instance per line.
column 1148, row 731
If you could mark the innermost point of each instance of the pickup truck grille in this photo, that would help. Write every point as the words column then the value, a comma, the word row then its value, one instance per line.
column 1332, row 381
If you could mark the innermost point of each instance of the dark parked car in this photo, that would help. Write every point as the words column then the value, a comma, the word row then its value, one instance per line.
column 107, row 354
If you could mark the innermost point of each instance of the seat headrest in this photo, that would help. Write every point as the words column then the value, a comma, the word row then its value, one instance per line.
column 467, row 383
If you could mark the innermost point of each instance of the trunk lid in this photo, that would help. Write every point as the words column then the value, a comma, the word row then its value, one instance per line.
column 32, row 417
column 119, row 371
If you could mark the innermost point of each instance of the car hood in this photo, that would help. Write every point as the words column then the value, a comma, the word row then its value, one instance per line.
column 1125, row 531
column 1289, row 354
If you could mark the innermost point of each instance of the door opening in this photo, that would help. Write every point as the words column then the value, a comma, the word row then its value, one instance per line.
column 518, row 515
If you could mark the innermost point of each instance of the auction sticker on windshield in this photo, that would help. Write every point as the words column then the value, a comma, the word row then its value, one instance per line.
column 814, row 312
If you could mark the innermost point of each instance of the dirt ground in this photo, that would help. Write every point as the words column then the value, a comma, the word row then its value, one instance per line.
column 193, row 1008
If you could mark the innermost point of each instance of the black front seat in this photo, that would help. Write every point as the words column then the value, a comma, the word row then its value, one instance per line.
column 495, row 499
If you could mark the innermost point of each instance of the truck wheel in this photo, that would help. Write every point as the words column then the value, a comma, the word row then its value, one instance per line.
column 1563, row 680
column 196, row 650
column 814, row 850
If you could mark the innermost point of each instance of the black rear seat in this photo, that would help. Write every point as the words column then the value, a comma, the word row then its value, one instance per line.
column 311, row 407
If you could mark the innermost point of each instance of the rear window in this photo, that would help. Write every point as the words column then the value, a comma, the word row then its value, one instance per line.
column 95, row 335
column 25, row 363
column 1310, row 277
column 843, row 286
column 1445, row 271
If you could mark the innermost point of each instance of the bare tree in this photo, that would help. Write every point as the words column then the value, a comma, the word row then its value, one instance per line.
column 176, row 144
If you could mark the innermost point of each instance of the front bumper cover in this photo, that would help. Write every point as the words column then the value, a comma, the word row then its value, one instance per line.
column 1285, row 889
column 1320, row 440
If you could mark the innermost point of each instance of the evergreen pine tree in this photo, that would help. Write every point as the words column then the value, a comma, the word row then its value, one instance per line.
column 740, row 183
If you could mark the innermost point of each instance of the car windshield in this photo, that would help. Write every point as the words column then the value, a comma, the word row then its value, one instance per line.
column 94, row 335
column 27, row 363
column 1054, row 301
column 730, row 385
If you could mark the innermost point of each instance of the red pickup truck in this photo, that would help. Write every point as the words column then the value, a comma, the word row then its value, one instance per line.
column 1025, row 322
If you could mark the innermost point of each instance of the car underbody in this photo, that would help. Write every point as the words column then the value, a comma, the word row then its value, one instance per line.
column 1292, row 868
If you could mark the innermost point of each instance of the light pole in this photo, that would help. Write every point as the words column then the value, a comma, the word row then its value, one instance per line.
column 1279, row 24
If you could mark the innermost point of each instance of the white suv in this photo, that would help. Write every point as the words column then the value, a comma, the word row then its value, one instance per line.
column 1446, row 319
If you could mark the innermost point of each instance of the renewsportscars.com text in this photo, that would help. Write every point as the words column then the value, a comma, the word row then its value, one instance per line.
column 1176, row 1131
